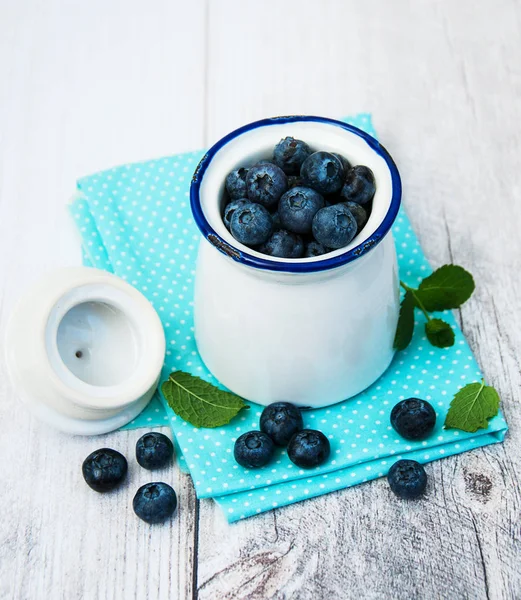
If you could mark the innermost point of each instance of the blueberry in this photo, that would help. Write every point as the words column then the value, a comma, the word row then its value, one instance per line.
column 289, row 154
column 155, row 502
column 323, row 172
column 359, row 185
column 265, row 184
column 345, row 163
column 314, row 249
column 236, row 183
column 253, row 449
column 407, row 479
column 263, row 161
column 359, row 213
column 280, row 421
column 251, row 224
column 297, row 207
column 294, row 181
column 334, row 226
column 308, row 448
column 230, row 208
column 283, row 244
column 104, row 469
column 154, row 450
column 413, row 419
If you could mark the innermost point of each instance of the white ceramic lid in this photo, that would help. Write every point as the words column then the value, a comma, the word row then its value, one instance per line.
column 85, row 350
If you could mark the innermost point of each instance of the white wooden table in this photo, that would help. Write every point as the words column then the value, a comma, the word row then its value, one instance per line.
column 87, row 85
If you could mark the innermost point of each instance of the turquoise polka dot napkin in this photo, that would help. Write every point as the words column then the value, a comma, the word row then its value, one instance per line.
column 135, row 221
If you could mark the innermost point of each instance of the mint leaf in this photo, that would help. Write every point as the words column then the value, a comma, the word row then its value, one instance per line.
column 199, row 402
column 472, row 406
column 405, row 327
column 448, row 287
column 439, row 333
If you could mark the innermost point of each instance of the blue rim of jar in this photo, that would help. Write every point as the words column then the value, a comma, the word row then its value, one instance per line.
column 296, row 265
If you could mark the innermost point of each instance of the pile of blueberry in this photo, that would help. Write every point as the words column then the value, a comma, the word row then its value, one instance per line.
column 105, row 469
column 300, row 203
column 281, row 425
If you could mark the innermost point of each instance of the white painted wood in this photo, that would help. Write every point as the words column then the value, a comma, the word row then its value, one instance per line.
column 87, row 85
column 84, row 85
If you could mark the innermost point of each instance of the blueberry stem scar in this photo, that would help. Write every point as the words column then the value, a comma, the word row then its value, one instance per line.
column 417, row 301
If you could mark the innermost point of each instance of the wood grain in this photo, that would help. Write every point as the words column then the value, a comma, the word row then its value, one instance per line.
column 84, row 86
column 87, row 85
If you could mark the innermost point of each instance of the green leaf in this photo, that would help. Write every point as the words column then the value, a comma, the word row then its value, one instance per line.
column 448, row 287
column 472, row 406
column 439, row 333
column 405, row 327
column 199, row 402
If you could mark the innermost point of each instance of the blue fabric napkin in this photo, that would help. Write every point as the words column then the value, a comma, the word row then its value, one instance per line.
column 135, row 221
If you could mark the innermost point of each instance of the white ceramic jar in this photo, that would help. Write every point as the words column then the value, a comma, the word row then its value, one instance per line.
column 310, row 331
column 85, row 350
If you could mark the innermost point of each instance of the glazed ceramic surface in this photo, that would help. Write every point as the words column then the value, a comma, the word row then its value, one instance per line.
column 85, row 350
column 310, row 331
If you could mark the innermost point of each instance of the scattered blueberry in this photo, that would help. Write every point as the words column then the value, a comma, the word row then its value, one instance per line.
column 359, row 185
column 297, row 207
column 323, row 172
column 236, row 183
column 314, row 249
column 334, row 226
column 283, row 244
column 154, row 450
column 289, row 154
column 407, row 479
column 155, row 502
column 104, row 469
column 265, row 184
column 359, row 213
column 308, row 448
column 345, row 163
column 251, row 224
column 253, row 449
column 413, row 419
column 280, row 421
column 230, row 208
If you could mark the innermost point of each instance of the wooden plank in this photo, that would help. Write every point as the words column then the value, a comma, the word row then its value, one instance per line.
column 84, row 86
column 87, row 86
column 442, row 80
